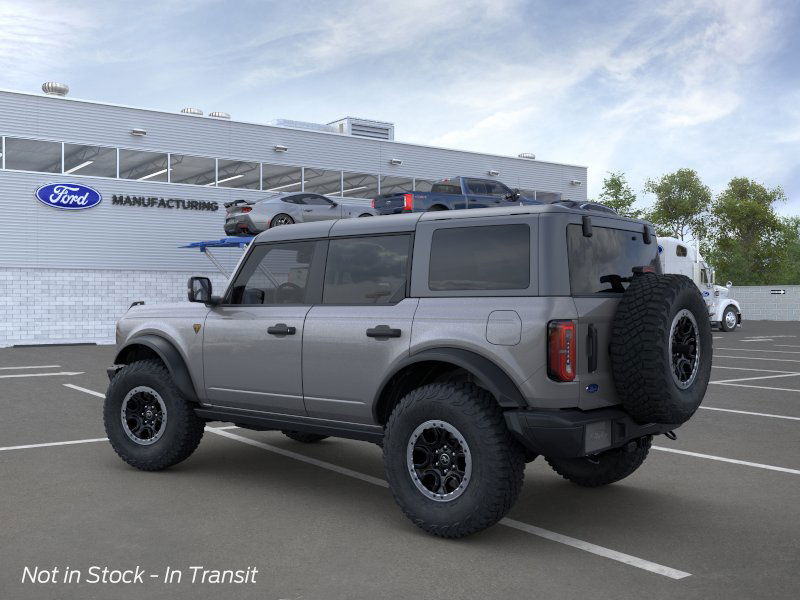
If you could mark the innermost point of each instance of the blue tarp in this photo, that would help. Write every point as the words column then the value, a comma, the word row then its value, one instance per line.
column 227, row 242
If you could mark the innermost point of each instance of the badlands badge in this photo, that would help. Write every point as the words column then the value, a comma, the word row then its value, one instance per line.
column 196, row 328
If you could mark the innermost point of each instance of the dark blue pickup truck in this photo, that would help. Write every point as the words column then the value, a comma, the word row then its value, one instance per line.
column 451, row 194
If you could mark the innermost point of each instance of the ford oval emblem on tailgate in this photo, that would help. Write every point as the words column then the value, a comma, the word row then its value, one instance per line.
column 592, row 388
column 68, row 196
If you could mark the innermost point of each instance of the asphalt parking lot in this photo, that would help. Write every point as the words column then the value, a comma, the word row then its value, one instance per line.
column 714, row 514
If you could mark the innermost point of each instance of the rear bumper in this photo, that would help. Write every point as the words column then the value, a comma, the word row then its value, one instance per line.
column 572, row 433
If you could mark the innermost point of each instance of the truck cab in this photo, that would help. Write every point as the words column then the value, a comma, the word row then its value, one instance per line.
column 677, row 256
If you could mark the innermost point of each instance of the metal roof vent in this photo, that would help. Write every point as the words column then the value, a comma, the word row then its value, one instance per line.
column 192, row 111
column 51, row 88
column 377, row 130
column 302, row 125
column 219, row 115
column 527, row 155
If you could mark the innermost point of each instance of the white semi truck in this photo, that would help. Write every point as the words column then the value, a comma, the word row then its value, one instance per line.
column 679, row 257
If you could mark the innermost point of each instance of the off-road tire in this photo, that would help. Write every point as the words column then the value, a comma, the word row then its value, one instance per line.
column 306, row 438
column 642, row 365
column 723, row 324
column 498, row 465
column 604, row 468
column 183, row 429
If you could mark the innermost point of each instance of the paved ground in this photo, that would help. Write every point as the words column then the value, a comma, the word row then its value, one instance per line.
column 726, row 515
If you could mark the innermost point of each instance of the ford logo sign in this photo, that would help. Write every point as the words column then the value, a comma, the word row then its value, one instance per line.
column 68, row 196
column 592, row 388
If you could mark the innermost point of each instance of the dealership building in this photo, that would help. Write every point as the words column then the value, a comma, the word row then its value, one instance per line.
column 162, row 179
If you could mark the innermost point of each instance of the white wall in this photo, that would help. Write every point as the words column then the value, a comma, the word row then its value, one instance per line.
column 760, row 304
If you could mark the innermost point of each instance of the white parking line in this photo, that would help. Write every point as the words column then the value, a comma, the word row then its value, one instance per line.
column 66, row 373
column 728, row 460
column 757, row 358
column 82, row 389
column 47, row 445
column 755, row 350
column 742, row 369
column 757, row 387
column 754, row 378
column 747, row 412
column 33, row 367
column 537, row 531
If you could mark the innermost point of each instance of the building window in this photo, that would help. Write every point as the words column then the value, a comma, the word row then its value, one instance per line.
column 359, row 185
column 238, row 174
column 97, row 161
column 321, row 181
column 492, row 257
column 143, row 166
column 367, row 270
column 33, row 155
column 194, row 170
column 396, row 185
column 423, row 185
column 279, row 178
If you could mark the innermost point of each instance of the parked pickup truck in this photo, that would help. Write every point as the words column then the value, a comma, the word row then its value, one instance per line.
column 451, row 194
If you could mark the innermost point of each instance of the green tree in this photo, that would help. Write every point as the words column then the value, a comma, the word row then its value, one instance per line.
column 681, row 205
column 617, row 194
column 750, row 242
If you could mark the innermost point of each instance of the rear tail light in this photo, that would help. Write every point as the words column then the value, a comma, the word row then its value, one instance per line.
column 561, row 350
column 246, row 209
column 408, row 202
column 373, row 203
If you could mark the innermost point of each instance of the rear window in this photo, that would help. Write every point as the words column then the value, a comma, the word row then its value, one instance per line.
column 492, row 257
column 604, row 262
column 446, row 188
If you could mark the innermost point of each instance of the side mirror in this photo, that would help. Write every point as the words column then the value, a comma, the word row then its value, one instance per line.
column 334, row 204
column 199, row 289
column 729, row 285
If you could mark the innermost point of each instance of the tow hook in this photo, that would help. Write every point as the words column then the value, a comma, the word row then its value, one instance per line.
column 671, row 435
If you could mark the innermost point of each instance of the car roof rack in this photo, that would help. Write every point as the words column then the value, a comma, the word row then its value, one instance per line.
column 595, row 206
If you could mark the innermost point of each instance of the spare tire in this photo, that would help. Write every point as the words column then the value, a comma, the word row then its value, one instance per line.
column 661, row 348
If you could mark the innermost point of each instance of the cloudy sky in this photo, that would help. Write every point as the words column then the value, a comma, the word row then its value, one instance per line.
column 642, row 87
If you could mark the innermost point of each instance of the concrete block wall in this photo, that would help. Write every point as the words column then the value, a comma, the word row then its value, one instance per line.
column 58, row 306
column 760, row 304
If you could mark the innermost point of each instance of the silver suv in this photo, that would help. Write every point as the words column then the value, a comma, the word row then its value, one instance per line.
column 464, row 342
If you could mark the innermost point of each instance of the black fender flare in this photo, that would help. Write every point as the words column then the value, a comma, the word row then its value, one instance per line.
column 169, row 355
column 495, row 379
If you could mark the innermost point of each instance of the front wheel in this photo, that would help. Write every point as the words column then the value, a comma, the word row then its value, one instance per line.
column 604, row 468
column 452, row 465
column 150, row 425
column 729, row 319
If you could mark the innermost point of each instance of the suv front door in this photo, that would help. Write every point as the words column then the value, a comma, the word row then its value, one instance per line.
column 252, row 342
column 362, row 327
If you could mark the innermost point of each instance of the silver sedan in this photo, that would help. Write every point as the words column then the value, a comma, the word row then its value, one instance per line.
column 249, row 217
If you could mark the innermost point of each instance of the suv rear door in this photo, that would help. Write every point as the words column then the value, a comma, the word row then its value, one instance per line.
column 600, row 267
column 361, row 328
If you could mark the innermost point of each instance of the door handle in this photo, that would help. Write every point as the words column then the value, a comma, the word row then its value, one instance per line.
column 591, row 348
column 281, row 329
column 308, row 209
column 383, row 331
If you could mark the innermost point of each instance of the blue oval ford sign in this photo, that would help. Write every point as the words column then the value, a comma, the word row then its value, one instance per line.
column 68, row 196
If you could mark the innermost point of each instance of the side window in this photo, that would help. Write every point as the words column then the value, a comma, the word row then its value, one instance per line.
column 476, row 186
column 315, row 200
column 366, row 270
column 495, row 188
column 704, row 276
column 298, row 199
column 442, row 188
column 681, row 250
column 491, row 257
column 274, row 274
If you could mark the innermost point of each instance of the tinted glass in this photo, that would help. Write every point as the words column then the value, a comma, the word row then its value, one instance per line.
column 495, row 188
column 477, row 187
column 238, row 174
column 90, row 160
column 279, row 178
column 275, row 274
column 359, row 185
column 396, row 185
column 368, row 270
column 321, row 181
column 425, row 185
column 144, row 166
column 681, row 251
column 196, row 170
column 445, row 188
column 605, row 261
column 493, row 257
column 33, row 155
column 316, row 200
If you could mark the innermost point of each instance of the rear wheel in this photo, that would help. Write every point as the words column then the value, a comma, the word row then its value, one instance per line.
column 729, row 319
column 604, row 468
column 306, row 438
column 281, row 219
column 452, row 464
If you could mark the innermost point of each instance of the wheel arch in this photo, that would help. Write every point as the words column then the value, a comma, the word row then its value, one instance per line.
column 432, row 364
column 154, row 346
